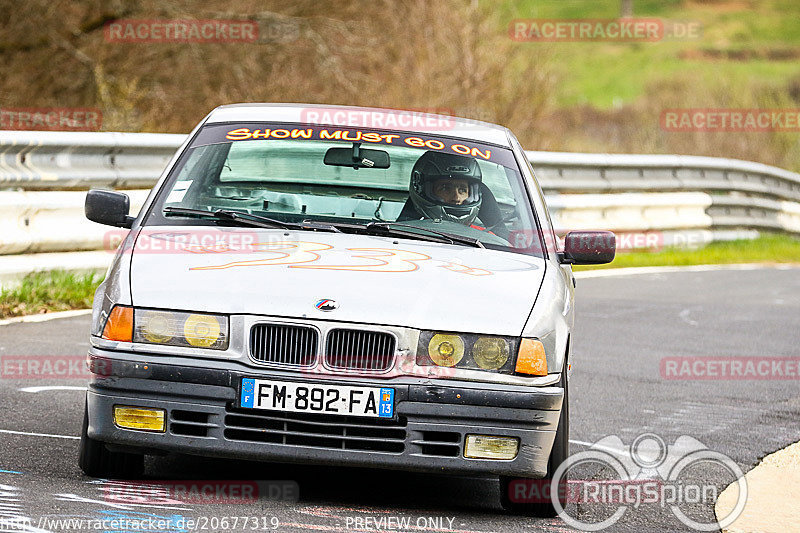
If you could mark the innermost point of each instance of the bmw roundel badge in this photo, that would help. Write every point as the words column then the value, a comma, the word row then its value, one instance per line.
column 326, row 304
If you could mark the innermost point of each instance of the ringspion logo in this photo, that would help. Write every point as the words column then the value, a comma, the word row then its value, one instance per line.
column 647, row 472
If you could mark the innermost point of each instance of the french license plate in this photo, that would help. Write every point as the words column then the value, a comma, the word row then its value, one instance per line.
column 317, row 398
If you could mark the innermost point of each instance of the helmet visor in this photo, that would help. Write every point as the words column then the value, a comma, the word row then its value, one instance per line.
column 452, row 191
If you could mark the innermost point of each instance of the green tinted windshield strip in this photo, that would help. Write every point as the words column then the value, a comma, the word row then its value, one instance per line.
column 220, row 133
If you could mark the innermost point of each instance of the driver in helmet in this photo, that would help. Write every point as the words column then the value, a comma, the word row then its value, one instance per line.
column 446, row 187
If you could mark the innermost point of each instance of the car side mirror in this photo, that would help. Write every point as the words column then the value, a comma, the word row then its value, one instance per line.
column 589, row 248
column 109, row 208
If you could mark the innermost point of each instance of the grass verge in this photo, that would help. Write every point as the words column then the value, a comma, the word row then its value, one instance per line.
column 765, row 249
column 46, row 292
column 606, row 74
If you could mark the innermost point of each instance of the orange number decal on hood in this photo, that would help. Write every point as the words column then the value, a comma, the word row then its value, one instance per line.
column 387, row 261
column 299, row 254
column 464, row 269
column 291, row 253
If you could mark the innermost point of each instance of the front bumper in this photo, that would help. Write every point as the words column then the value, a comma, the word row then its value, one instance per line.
column 427, row 434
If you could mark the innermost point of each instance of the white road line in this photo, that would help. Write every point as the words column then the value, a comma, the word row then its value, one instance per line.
column 684, row 315
column 48, row 388
column 603, row 273
column 12, row 432
column 608, row 449
column 44, row 317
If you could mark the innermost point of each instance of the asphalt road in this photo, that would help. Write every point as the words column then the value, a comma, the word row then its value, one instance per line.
column 625, row 326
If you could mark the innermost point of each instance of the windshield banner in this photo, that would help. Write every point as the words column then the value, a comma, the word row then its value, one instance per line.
column 273, row 131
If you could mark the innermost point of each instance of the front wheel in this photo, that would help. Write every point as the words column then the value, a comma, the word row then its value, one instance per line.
column 539, row 503
column 97, row 461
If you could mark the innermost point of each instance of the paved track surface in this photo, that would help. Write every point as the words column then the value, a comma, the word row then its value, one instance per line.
column 624, row 327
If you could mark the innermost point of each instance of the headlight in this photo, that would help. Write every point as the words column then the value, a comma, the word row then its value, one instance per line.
column 174, row 328
column 157, row 327
column 490, row 353
column 461, row 350
column 202, row 330
column 446, row 350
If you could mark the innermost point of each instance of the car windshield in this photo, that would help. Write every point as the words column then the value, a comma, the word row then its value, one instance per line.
column 351, row 179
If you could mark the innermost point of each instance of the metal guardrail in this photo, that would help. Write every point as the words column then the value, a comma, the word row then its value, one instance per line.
column 743, row 194
column 620, row 192
column 576, row 172
column 32, row 160
column 46, row 160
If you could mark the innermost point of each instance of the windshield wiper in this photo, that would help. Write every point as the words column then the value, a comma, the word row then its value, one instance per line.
column 383, row 228
column 248, row 219
column 389, row 228
column 324, row 226
column 226, row 214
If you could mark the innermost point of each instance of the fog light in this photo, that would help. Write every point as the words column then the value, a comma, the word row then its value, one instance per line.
column 139, row 418
column 488, row 447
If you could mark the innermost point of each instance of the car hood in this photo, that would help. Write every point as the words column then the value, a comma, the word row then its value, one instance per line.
column 372, row 279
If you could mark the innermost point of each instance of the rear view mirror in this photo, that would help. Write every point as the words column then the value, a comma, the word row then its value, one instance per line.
column 589, row 247
column 109, row 208
column 357, row 157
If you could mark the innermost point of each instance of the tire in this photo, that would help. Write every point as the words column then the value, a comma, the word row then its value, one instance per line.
column 558, row 455
column 97, row 461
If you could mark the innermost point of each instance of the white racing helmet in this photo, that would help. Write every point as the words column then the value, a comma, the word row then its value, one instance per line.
column 433, row 166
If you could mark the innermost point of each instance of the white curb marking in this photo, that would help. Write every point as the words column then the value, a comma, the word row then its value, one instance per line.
column 49, row 388
column 39, row 434
column 44, row 317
